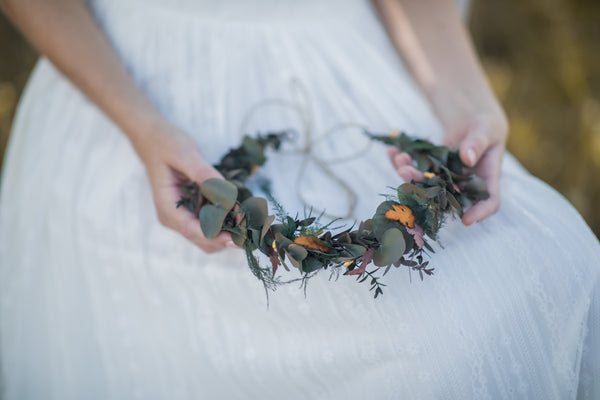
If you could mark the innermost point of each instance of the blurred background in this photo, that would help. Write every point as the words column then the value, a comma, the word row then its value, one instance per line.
column 543, row 59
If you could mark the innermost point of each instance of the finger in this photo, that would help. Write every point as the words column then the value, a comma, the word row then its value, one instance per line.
column 454, row 138
column 409, row 173
column 181, row 219
column 482, row 210
column 474, row 146
column 194, row 166
column 403, row 159
column 224, row 239
column 399, row 159
column 392, row 152
column 490, row 169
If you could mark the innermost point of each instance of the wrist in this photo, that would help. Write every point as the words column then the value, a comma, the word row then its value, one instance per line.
column 455, row 108
column 144, row 126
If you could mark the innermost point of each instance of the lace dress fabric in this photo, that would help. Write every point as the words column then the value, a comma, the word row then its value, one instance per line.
column 99, row 301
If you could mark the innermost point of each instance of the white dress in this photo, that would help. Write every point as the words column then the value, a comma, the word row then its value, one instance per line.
column 99, row 301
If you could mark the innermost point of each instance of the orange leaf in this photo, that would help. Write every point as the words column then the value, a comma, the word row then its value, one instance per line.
column 402, row 214
column 311, row 242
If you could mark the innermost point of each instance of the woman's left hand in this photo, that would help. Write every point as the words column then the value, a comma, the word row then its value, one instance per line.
column 481, row 141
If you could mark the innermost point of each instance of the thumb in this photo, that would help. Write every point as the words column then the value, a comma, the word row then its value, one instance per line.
column 473, row 146
column 195, row 167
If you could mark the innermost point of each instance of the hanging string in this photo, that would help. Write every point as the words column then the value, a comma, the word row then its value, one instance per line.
column 302, row 105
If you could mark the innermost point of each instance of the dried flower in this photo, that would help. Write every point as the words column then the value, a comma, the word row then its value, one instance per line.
column 402, row 214
column 311, row 242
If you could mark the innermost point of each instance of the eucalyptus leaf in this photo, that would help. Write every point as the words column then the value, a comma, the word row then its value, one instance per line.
column 355, row 250
column 281, row 242
column 385, row 206
column 434, row 191
column 255, row 152
column 240, row 238
column 255, row 235
column 382, row 225
column 266, row 225
column 391, row 249
column 295, row 263
column 297, row 251
column 211, row 220
column 256, row 210
column 310, row 264
column 410, row 188
column 219, row 192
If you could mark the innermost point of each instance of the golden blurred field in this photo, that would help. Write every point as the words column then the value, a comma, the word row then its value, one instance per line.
column 543, row 58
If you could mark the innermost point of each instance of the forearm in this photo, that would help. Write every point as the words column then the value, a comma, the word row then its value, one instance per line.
column 66, row 33
column 432, row 40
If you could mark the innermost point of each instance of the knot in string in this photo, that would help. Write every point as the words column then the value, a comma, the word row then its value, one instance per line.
column 301, row 104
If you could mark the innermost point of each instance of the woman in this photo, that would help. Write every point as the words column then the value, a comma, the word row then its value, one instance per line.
column 102, row 300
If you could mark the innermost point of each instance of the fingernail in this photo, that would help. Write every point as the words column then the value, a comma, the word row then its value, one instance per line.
column 231, row 244
column 471, row 156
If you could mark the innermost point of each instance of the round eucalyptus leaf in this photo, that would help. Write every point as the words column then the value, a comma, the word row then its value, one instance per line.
column 266, row 225
column 310, row 264
column 211, row 220
column 381, row 225
column 385, row 206
column 254, row 150
column 297, row 251
column 256, row 210
column 391, row 249
column 354, row 250
column 240, row 238
column 281, row 242
column 255, row 235
column 219, row 192
column 295, row 263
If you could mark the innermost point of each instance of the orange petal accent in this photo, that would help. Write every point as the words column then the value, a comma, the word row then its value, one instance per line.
column 402, row 214
column 311, row 242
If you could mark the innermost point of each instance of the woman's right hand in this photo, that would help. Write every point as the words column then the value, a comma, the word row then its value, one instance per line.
column 172, row 158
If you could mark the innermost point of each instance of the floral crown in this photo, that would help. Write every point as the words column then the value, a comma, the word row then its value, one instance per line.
column 396, row 235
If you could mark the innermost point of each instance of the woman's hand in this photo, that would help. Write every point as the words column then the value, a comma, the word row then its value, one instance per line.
column 68, row 35
column 433, row 41
column 172, row 158
column 481, row 141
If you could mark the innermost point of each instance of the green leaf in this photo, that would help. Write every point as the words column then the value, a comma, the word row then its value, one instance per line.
column 266, row 225
column 391, row 249
column 281, row 242
column 307, row 221
column 310, row 264
column 434, row 191
column 211, row 220
column 219, row 192
column 239, row 238
column 255, row 235
column 385, row 207
column 297, row 251
column 410, row 189
column 382, row 225
column 256, row 210
column 296, row 254
column 254, row 150
column 354, row 250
